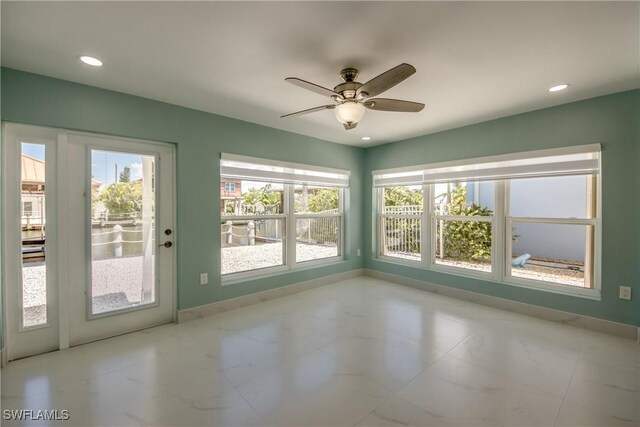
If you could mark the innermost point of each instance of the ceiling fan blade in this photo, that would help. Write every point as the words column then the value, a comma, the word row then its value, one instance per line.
column 387, row 80
column 349, row 126
column 312, row 87
column 385, row 104
column 310, row 110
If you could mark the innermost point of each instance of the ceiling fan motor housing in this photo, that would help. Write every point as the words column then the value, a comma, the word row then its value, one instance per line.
column 348, row 90
column 349, row 74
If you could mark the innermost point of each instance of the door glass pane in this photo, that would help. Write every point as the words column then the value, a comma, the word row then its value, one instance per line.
column 555, row 253
column 34, row 269
column 122, row 230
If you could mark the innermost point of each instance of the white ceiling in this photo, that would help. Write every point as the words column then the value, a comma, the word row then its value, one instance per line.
column 476, row 61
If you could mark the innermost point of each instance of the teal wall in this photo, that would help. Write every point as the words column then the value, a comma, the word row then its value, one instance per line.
column 613, row 121
column 199, row 138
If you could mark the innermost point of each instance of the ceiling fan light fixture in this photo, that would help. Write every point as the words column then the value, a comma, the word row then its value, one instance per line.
column 349, row 112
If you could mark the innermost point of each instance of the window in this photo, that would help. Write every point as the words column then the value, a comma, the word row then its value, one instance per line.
column 400, row 222
column 528, row 219
column 552, row 225
column 318, row 218
column 282, row 215
column 230, row 187
column 462, row 225
column 27, row 208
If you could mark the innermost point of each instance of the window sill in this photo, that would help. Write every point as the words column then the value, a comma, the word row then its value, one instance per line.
column 592, row 294
column 401, row 261
column 248, row 276
column 561, row 289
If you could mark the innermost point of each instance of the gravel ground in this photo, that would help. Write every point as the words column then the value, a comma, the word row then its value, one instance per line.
column 116, row 284
column 535, row 272
column 242, row 258
column 34, row 296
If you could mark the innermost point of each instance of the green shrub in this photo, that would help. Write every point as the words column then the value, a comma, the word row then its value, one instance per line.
column 465, row 240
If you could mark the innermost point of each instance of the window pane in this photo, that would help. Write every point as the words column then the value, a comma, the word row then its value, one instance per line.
column 33, row 224
column 555, row 197
column 316, row 238
column 401, row 238
column 464, row 198
column 403, row 200
column 553, row 253
column 464, row 244
column 242, row 197
column 314, row 199
column 249, row 245
column 122, row 230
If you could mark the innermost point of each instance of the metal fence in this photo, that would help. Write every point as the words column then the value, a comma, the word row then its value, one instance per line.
column 401, row 226
column 401, row 235
column 318, row 230
column 403, row 210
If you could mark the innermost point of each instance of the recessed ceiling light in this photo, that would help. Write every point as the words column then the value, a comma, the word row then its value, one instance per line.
column 560, row 87
column 366, row 138
column 90, row 60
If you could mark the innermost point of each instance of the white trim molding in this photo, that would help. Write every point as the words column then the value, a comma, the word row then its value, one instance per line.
column 562, row 317
column 245, row 300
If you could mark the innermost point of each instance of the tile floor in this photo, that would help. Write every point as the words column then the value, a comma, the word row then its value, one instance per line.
column 362, row 352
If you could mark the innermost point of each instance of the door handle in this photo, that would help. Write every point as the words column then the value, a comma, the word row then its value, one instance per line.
column 166, row 244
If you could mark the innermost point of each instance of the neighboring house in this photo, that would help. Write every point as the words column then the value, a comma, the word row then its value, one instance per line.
column 33, row 192
column 526, row 198
column 33, row 185
column 230, row 195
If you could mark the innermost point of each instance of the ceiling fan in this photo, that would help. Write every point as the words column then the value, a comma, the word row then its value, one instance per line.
column 352, row 98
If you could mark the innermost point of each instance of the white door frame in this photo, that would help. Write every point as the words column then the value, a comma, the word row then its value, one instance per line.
column 58, row 291
column 40, row 338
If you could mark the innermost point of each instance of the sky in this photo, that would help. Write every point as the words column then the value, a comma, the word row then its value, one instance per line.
column 103, row 163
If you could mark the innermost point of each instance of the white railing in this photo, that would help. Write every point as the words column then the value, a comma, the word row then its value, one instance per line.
column 318, row 230
column 401, row 236
column 247, row 232
column 403, row 210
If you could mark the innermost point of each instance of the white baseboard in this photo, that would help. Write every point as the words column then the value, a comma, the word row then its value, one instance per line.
column 230, row 304
column 563, row 317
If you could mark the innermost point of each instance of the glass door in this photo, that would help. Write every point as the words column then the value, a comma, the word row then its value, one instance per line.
column 88, row 237
column 121, row 223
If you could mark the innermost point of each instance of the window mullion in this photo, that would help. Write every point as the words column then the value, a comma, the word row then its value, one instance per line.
column 290, row 238
column 425, row 226
column 501, row 247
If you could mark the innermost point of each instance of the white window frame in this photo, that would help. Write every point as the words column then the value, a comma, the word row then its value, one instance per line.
column 594, row 291
column 381, row 215
column 289, row 218
column 501, row 223
column 229, row 186
column 294, row 222
column 433, row 239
